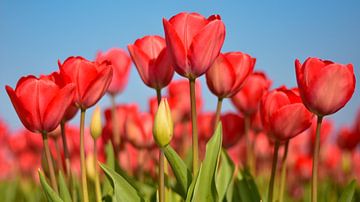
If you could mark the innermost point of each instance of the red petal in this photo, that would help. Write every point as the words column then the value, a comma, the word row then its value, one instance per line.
column 141, row 60
column 311, row 69
column 205, row 47
column 162, row 70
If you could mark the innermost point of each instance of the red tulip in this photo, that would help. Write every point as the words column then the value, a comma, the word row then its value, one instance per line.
column 283, row 114
column 91, row 79
column 325, row 86
column 194, row 42
column 152, row 60
column 325, row 132
column 205, row 122
column 227, row 74
column 247, row 100
column 303, row 166
column 40, row 103
column 233, row 128
column 121, row 64
column 138, row 130
column 347, row 139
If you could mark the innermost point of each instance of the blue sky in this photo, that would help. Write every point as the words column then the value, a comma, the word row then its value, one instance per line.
column 34, row 35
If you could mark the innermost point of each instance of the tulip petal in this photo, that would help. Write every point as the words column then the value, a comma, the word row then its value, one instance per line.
column 162, row 70
column 97, row 88
column 47, row 90
column 311, row 69
column 57, row 107
column 23, row 114
column 177, row 50
column 141, row 61
column 290, row 120
column 331, row 90
column 205, row 47
column 220, row 77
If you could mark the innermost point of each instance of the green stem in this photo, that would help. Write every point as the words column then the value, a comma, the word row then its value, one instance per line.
column 218, row 110
column 97, row 181
column 82, row 158
column 158, row 95
column 316, row 161
column 195, row 144
column 50, row 162
column 161, row 177
column 273, row 172
column 283, row 173
column 58, row 154
column 115, row 127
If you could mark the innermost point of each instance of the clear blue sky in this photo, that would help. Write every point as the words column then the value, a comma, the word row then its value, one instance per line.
column 34, row 35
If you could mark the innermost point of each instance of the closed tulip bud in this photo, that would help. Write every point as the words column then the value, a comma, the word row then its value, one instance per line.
column 95, row 124
column 163, row 125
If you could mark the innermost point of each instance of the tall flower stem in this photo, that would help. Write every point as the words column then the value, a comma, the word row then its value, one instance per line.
column 82, row 158
column 50, row 162
column 283, row 173
column 218, row 110
column 97, row 181
column 115, row 127
column 66, row 149
column 315, row 166
column 273, row 172
column 195, row 141
column 58, row 155
column 161, row 162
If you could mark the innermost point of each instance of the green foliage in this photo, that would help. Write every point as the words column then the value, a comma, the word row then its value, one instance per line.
column 348, row 192
column 51, row 195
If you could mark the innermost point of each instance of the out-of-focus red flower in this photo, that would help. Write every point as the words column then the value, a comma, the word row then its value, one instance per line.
column 205, row 122
column 229, row 71
column 325, row 86
column 153, row 105
column 121, row 64
column 179, row 99
column 325, row 131
column 347, row 139
column 247, row 100
column 283, row 114
column 138, row 130
column 255, row 122
column 152, row 60
column 303, row 167
column 262, row 147
column 91, row 79
column 233, row 128
column 40, row 103
column 194, row 42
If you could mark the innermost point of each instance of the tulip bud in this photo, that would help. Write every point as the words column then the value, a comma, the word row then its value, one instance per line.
column 95, row 124
column 163, row 125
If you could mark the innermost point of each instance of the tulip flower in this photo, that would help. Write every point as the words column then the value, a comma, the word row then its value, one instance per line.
column 325, row 87
column 92, row 80
column 152, row 60
column 348, row 139
column 194, row 42
column 138, row 130
column 163, row 131
column 283, row 116
column 233, row 129
column 121, row 64
column 40, row 105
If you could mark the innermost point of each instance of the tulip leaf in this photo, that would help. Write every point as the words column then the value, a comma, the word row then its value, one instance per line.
column 108, row 191
column 180, row 170
column 224, row 175
column 205, row 187
column 245, row 187
column 50, row 194
column 63, row 190
column 348, row 192
column 123, row 191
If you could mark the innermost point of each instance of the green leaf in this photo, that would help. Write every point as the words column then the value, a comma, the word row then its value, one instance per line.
column 246, row 187
column 224, row 175
column 123, row 191
column 180, row 170
column 51, row 195
column 348, row 192
column 64, row 192
column 205, row 187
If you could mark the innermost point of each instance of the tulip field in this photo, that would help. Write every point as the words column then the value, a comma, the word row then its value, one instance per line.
column 278, row 145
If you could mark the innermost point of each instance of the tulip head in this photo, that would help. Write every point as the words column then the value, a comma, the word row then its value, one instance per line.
column 163, row 128
column 96, row 123
column 325, row 87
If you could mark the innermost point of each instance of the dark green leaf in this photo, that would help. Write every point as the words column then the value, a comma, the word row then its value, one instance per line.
column 51, row 195
column 64, row 192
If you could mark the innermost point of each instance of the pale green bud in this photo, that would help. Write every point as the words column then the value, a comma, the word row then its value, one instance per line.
column 163, row 128
column 95, row 123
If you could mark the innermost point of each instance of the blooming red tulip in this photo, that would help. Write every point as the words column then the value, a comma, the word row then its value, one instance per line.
column 325, row 86
column 194, row 42
column 247, row 100
column 283, row 114
column 40, row 103
column 152, row 60
column 91, row 79
column 121, row 64
column 233, row 128
column 227, row 74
